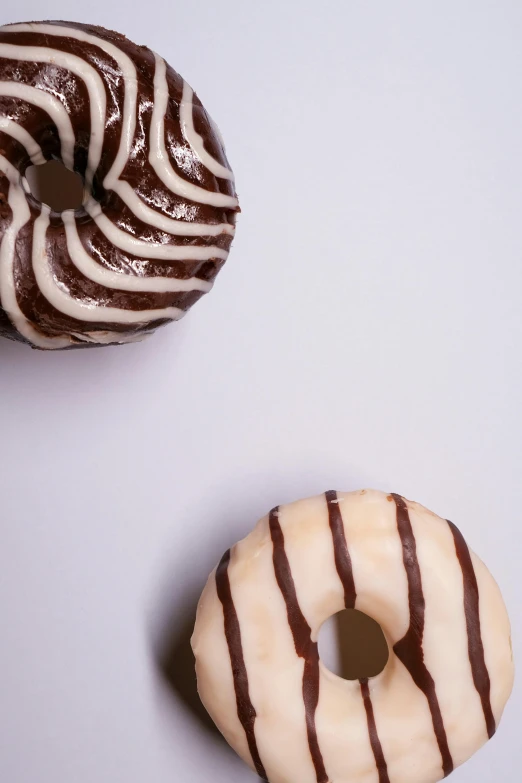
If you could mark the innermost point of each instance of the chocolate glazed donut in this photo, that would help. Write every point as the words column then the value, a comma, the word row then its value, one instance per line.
column 159, row 210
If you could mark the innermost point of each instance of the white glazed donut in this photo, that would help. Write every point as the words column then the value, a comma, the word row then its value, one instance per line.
column 450, row 669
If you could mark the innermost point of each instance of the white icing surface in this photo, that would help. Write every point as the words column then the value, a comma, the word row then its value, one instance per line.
column 494, row 625
column 402, row 715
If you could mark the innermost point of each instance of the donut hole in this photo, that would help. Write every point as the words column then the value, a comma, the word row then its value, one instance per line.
column 353, row 646
column 54, row 185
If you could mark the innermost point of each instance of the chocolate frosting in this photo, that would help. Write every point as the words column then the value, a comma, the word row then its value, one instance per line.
column 477, row 660
column 159, row 210
column 245, row 709
column 304, row 646
column 410, row 649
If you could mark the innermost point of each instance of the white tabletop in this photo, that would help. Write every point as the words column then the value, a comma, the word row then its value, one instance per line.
column 366, row 331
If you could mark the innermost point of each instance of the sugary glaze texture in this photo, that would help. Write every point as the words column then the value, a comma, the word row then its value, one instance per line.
column 450, row 670
column 160, row 205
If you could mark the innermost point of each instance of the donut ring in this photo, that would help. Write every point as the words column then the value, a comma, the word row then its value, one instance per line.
column 450, row 670
column 159, row 210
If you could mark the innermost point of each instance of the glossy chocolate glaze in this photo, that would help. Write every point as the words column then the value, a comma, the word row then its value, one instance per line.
column 27, row 62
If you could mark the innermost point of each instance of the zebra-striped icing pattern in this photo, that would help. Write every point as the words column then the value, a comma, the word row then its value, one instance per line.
column 159, row 210
column 450, row 670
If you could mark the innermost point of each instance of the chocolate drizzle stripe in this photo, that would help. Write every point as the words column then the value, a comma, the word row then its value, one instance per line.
column 304, row 646
column 343, row 564
column 378, row 754
column 343, row 561
column 409, row 649
column 475, row 645
column 245, row 708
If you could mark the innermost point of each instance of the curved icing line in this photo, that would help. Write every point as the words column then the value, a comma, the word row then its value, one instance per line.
column 159, row 158
column 153, row 250
column 55, row 295
column 91, row 312
column 24, row 138
column 53, row 107
column 165, row 223
column 112, row 181
column 120, row 280
column 130, row 78
column 110, row 338
column 93, row 271
column 186, row 117
column 21, row 216
column 126, row 242
column 93, row 82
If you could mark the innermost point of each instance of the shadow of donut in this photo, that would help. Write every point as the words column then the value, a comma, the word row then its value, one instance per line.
column 176, row 664
column 173, row 617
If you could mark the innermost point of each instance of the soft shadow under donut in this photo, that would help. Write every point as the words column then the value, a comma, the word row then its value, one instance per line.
column 175, row 661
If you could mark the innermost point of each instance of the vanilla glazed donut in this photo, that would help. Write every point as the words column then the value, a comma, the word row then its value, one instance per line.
column 450, row 668
column 160, row 205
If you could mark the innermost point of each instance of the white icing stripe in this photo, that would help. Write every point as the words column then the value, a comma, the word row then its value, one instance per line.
column 159, row 158
column 144, row 213
column 92, row 81
column 130, row 77
column 121, row 280
column 57, row 293
column 21, row 216
column 169, row 225
column 53, row 107
column 74, row 308
column 24, row 138
column 150, row 250
column 111, row 338
column 186, row 116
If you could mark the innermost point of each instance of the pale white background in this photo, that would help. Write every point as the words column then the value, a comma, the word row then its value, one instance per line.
column 366, row 331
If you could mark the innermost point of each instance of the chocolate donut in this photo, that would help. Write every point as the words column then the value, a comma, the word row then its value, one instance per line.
column 159, row 210
column 450, row 669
